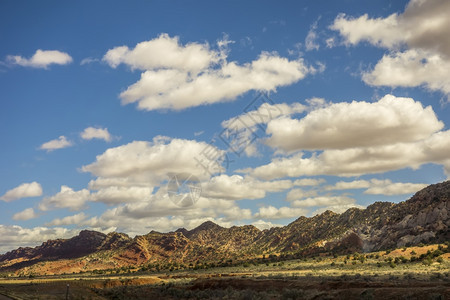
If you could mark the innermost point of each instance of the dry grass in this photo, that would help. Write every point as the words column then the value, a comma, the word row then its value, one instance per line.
column 374, row 267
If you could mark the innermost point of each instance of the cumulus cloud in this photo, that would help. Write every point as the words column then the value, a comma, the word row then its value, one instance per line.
column 360, row 161
column 69, row 220
column 324, row 201
column 424, row 24
column 237, row 187
column 262, row 114
column 411, row 68
column 163, row 52
column 25, row 190
column 153, row 162
column 241, row 133
column 90, row 133
column 308, row 182
column 116, row 195
column 356, row 124
column 387, row 187
column 348, row 185
column 14, row 236
column 422, row 28
column 271, row 212
column 179, row 76
column 403, row 134
column 59, row 143
column 106, row 182
column 41, row 59
column 24, row 215
column 262, row 225
column 296, row 194
column 66, row 198
column 378, row 187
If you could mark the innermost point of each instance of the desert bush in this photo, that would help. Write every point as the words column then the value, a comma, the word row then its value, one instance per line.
column 427, row 261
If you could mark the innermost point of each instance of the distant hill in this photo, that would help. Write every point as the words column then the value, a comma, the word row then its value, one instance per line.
column 425, row 218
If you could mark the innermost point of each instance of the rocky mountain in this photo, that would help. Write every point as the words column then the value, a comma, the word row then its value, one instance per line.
column 423, row 218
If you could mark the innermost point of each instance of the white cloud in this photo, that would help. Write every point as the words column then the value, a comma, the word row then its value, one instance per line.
column 308, row 182
column 311, row 38
column 391, row 134
column 153, row 162
column 378, row 187
column 296, row 194
column 324, row 201
column 422, row 29
column 270, row 212
column 262, row 225
column 164, row 52
column 177, row 77
column 66, row 198
column 348, row 185
column 331, row 42
column 102, row 182
column 241, row 132
column 58, row 143
column 88, row 60
column 14, row 236
column 41, row 59
column 24, row 190
column 236, row 187
column 411, row 68
column 356, row 124
column 69, row 220
column 263, row 114
column 90, row 133
column 360, row 161
column 24, row 215
column 115, row 195
column 424, row 24
column 384, row 32
column 387, row 187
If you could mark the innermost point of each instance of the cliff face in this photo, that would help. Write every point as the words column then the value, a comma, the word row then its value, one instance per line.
column 423, row 218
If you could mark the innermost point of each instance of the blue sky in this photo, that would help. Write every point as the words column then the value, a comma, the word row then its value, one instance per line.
column 345, row 103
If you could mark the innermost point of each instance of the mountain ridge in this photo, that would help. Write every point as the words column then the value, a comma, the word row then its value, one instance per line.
column 425, row 217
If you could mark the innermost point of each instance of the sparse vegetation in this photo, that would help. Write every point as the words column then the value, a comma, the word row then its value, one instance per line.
column 245, row 280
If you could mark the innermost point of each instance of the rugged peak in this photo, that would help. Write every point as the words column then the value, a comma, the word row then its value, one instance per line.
column 91, row 234
column 328, row 213
column 208, row 225
column 432, row 193
column 115, row 240
column 183, row 231
column 325, row 215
